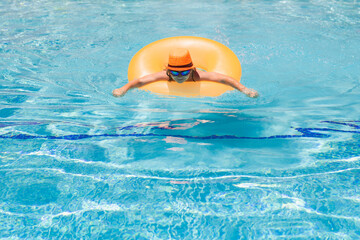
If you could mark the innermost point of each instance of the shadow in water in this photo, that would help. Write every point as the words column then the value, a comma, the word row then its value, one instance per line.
column 302, row 133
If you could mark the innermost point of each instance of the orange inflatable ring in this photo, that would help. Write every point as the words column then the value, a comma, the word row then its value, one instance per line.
column 206, row 54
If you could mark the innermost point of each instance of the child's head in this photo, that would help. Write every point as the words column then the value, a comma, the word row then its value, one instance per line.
column 180, row 65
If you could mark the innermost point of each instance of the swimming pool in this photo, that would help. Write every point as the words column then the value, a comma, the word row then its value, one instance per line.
column 77, row 163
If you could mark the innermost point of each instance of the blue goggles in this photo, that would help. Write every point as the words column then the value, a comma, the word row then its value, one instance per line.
column 177, row 73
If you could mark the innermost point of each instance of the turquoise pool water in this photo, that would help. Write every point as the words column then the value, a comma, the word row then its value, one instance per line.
column 77, row 163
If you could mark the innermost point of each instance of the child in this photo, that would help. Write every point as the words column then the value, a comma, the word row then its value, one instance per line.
column 180, row 69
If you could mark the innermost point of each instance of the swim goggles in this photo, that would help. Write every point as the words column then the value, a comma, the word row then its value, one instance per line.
column 183, row 73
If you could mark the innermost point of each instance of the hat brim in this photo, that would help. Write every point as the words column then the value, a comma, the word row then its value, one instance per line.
column 179, row 68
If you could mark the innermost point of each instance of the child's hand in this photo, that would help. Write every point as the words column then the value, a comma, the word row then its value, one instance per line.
column 119, row 92
column 251, row 93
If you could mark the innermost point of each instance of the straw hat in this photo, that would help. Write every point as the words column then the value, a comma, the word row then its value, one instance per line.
column 179, row 60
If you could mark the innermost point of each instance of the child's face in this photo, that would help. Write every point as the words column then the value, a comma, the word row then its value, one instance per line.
column 180, row 76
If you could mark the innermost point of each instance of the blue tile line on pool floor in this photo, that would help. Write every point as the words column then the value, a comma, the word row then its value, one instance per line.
column 305, row 133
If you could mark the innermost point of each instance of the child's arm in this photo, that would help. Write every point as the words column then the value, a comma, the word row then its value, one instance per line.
column 119, row 92
column 220, row 78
